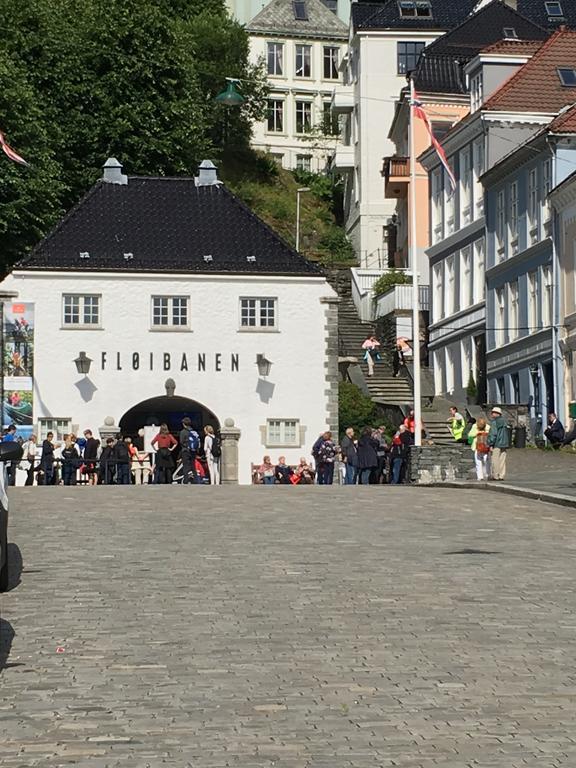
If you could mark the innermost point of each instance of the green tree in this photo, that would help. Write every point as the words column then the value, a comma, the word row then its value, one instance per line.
column 354, row 408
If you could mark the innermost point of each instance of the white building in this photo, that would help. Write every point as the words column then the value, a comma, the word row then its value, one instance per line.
column 174, row 278
column 301, row 44
column 245, row 10
column 386, row 41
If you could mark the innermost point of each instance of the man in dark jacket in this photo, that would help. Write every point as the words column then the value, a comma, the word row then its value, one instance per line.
column 187, row 452
column 499, row 442
column 555, row 431
column 350, row 456
column 107, row 470
column 122, row 457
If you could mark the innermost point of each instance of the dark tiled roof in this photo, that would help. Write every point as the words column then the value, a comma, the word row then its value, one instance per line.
column 536, row 87
column 277, row 18
column 536, row 11
column 168, row 225
column 446, row 14
column 441, row 67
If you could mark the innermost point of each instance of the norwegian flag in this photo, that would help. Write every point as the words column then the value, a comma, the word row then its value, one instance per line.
column 418, row 111
column 7, row 149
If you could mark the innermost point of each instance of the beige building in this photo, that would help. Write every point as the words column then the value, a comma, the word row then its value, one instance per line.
column 301, row 43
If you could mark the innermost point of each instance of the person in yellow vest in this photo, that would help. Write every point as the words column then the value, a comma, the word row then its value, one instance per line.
column 457, row 424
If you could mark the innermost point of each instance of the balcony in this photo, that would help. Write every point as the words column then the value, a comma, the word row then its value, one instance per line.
column 396, row 172
column 399, row 300
column 342, row 100
column 343, row 158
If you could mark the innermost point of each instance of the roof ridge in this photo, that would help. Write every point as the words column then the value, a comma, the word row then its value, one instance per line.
column 521, row 71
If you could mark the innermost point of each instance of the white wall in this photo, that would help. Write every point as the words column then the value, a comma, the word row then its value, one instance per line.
column 297, row 351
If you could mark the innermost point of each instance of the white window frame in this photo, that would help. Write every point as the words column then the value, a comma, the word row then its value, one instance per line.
column 437, row 206
column 465, row 186
column 513, row 218
column 275, row 109
column 500, row 224
column 279, row 435
column 60, row 426
column 304, row 163
column 479, row 271
column 257, row 309
column 438, row 278
column 513, row 311
column 532, row 205
column 546, row 188
column 547, row 303
column 476, row 92
column 303, row 61
column 450, row 285
column 276, row 50
column 449, row 204
column 78, row 305
column 466, row 280
column 478, row 162
column 170, row 308
column 305, row 108
column 500, row 315
column 331, row 57
column 533, row 301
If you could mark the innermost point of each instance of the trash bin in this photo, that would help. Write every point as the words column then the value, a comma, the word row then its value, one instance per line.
column 572, row 409
column 520, row 437
column 510, row 435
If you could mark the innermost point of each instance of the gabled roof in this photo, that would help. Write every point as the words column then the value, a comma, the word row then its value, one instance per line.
column 536, row 11
column 536, row 87
column 565, row 122
column 156, row 224
column 279, row 18
column 440, row 69
column 446, row 14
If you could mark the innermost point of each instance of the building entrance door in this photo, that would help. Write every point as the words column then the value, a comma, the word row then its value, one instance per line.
column 169, row 410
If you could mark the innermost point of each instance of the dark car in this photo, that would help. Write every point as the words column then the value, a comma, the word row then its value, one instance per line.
column 9, row 451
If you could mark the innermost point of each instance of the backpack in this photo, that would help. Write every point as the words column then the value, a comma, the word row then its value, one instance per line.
column 122, row 452
column 193, row 440
column 69, row 453
column 482, row 443
column 216, row 449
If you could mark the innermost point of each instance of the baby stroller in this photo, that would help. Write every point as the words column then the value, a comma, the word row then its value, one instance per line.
column 201, row 471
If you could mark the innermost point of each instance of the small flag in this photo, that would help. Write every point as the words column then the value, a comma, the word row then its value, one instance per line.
column 419, row 112
column 7, row 149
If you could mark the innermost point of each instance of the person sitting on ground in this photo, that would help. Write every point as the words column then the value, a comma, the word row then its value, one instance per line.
column 283, row 472
column 457, row 424
column 555, row 433
column 305, row 472
column 265, row 472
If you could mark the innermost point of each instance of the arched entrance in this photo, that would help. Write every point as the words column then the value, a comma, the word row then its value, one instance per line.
column 168, row 410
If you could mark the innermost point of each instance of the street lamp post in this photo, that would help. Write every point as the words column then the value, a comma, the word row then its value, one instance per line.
column 299, row 191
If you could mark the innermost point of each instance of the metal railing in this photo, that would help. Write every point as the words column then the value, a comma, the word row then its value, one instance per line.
column 399, row 298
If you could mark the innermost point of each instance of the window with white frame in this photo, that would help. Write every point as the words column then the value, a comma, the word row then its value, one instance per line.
column 282, row 433
column 331, row 54
column 437, row 205
column 59, row 427
column 479, row 271
column 450, row 300
column 275, row 119
column 500, row 222
column 476, row 92
column 304, row 163
column 513, row 315
column 478, row 162
column 81, row 310
column 303, row 116
column 465, row 187
column 533, row 205
column 448, row 203
column 258, row 313
column 513, row 218
column 438, row 278
column 467, row 362
column 303, row 60
column 275, row 59
column 466, row 287
column 547, row 296
column 546, row 187
column 500, row 316
column 170, row 311
column 533, row 324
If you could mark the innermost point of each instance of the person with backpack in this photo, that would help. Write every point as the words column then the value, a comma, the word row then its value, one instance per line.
column 212, row 451
column 325, row 452
column 189, row 446
column 107, row 470
column 478, row 442
column 164, row 444
column 122, row 458
column 70, row 456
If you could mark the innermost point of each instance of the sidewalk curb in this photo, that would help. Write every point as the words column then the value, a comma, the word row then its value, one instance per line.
column 512, row 490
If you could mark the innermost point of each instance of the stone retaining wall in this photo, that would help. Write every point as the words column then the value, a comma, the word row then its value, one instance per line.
column 440, row 464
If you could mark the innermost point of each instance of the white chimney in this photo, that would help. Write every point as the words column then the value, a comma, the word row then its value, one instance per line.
column 207, row 176
column 113, row 172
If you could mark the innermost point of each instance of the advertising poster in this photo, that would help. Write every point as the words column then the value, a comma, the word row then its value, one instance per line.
column 18, row 366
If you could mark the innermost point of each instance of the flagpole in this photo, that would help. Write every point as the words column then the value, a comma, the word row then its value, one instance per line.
column 415, row 291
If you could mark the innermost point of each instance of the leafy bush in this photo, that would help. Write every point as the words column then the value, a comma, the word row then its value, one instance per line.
column 389, row 280
column 355, row 409
column 336, row 246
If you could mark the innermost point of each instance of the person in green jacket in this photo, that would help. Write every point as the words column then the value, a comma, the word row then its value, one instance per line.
column 457, row 424
column 499, row 442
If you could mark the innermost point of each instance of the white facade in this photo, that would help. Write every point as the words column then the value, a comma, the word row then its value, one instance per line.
column 375, row 74
column 302, row 73
column 211, row 358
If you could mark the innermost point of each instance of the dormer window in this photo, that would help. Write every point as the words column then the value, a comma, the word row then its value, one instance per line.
column 510, row 33
column 476, row 92
column 554, row 10
column 567, row 76
column 300, row 11
column 415, row 9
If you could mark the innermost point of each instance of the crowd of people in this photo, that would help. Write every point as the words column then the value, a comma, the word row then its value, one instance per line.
column 120, row 460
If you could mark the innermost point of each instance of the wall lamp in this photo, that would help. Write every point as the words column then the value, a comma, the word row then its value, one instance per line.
column 264, row 365
column 83, row 363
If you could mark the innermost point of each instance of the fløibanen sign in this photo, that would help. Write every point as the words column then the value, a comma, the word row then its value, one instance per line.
column 167, row 361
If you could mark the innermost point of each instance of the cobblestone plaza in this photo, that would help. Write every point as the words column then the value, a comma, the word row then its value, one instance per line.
column 291, row 627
